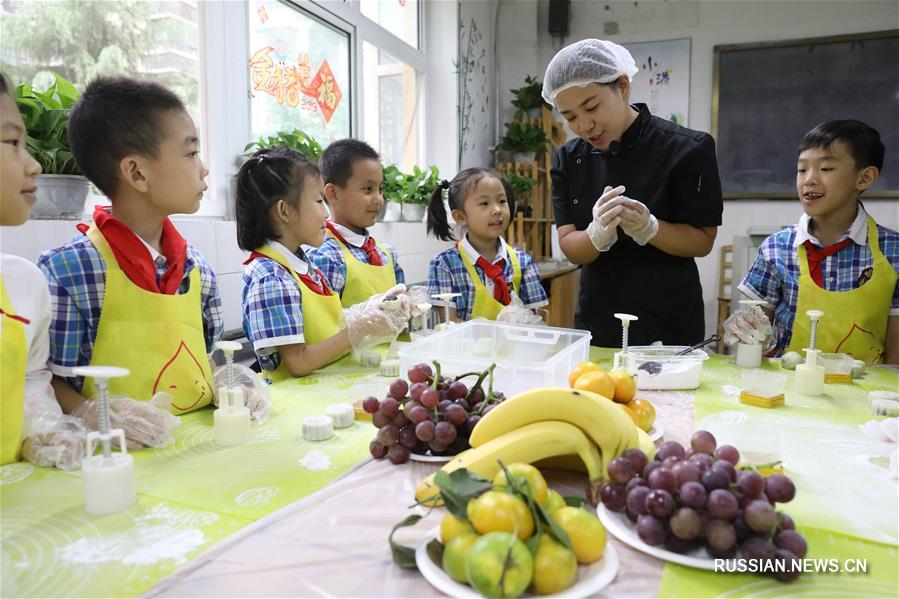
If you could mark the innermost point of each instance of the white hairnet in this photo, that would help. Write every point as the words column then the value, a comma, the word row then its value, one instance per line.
column 586, row 61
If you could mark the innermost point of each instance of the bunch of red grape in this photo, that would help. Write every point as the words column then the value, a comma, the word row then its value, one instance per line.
column 686, row 499
column 428, row 412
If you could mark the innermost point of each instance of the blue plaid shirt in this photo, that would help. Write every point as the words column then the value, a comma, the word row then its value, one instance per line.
column 273, row 306
column 447, row 274
column 774, row 276
column 328, row 257
column 76, row 275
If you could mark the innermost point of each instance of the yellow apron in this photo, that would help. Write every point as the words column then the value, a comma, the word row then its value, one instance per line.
column 157, row 337
column 322, row 314
column 363, row 280
column 485, row 306
column 854, row 322
column 12, row 380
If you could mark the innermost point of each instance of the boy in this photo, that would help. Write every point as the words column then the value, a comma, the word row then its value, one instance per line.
column 836, row 259
column 353, row 263
column 130, row 291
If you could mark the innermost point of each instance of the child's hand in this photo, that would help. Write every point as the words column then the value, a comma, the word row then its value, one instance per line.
column 257, row 397
column 55, row 441
column 371, row 322
column 144, row 424
column 747, row 326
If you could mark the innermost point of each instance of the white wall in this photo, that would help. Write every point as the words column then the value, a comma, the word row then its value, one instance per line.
column 708, row 23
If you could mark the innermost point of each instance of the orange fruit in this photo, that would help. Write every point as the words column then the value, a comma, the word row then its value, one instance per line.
column 598, row 382
column 630, row 412
column 585, row 531
column 645, row 412
column 582, row 368
column 625, row 386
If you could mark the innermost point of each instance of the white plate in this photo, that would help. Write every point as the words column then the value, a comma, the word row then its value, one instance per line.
column 655, row 432
column 626, row 531
column 427, row 457
column 590, row 578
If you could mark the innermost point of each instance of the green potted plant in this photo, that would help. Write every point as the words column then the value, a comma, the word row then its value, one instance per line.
column 521, row 185
column 407, row 194
column 394, row 189
column 61, row 188
column 420, row 184
column 523, row 140
column 296, row 139
column 528, row 98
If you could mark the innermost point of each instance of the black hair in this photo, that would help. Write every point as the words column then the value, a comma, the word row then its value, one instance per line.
column 4, row 84
column 457, row 189
column 862, row 141
column 337, row 160
column 115, row 117
column 268, row 176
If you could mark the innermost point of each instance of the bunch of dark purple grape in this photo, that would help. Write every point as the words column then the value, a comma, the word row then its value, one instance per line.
column 428, row 413
column 686, row 499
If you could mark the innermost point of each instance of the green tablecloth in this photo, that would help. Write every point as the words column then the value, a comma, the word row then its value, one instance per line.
column 191, row 495
column 845, row 504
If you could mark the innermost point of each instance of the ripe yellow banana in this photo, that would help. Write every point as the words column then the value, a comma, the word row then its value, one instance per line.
column 526, row 444
column 600, row 418
column 571, row 463
column 645, row 444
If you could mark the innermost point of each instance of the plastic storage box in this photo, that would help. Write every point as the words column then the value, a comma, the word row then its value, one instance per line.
column 764, row 383
column 657, row 366
column 526, row 357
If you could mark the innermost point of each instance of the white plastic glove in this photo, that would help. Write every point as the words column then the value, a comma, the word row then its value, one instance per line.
column 257, row 397
column 638, row 222
column 54, row 440
column 517, row 313
column 748, row 324
column 378, row 319
column 144, row 424
column 603, row 229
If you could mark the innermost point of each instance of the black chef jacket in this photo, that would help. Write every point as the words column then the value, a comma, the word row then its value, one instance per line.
column 674, row 172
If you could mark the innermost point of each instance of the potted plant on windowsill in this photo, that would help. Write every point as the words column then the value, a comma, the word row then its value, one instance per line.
column 394, row 188
column 296, row 139
column 420, row 184
column 528, row 98
column 523, row 141
column 61, row 188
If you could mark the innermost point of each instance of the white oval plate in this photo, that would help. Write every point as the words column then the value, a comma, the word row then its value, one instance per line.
column 626, row 531
column 655, row 433
column 590, row 578
column 427, row 457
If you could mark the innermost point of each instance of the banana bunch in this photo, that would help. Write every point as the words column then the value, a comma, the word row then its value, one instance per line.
column 547, row 425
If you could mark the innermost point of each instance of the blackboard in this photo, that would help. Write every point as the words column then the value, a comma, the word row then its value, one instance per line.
column 767, row 96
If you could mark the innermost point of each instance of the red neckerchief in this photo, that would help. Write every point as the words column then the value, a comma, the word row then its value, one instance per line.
column 307, row 279
column 370, row 247
column 133, row 256
column 816, row 257
column 495, row 273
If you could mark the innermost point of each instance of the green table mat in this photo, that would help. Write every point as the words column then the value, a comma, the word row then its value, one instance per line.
column 191, row 495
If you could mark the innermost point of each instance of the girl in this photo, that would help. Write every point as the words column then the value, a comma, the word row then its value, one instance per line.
column 482, row 267
column 294, row 320
column 28, row 407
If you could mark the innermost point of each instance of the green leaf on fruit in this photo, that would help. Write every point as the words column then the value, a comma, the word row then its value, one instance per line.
column 435, row 552
column 557, row 530
column 403, row 556
column 574, row 501
column 458, row 487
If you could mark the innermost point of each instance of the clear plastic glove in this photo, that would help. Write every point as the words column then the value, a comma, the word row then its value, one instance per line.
column 419, row 300
column 379, row 319
column 257, row 397
column 603, row 229
column 517, row 313
column 747, row 325
column 638, row 222
column 144, row 424
column 54, row 440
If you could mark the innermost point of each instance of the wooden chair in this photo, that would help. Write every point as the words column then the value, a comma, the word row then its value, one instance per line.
column 725, row 289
